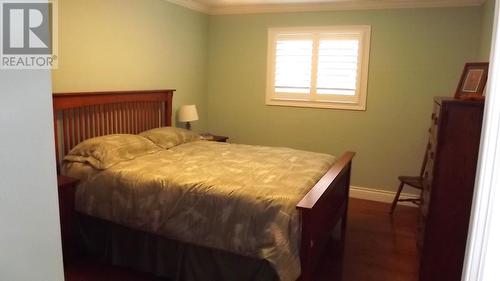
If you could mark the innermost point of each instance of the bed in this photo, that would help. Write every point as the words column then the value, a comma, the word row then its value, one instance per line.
column 82, row 116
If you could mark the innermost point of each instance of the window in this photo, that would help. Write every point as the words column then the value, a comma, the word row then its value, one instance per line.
column 325, row 67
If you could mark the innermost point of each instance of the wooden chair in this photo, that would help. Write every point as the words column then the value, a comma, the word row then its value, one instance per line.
column 415, row 182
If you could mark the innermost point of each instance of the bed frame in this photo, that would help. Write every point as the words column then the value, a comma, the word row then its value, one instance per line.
column 79, row 116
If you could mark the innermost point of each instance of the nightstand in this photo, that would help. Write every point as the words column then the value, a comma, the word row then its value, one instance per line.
column 211, row 137
column 66, row 188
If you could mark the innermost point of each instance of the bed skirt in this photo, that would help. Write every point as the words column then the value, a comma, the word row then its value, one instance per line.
column 121, row 246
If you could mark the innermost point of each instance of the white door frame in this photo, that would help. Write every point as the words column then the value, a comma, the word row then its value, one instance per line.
column 483, row 247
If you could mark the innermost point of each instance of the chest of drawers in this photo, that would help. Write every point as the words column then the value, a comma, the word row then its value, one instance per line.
column 449, row 176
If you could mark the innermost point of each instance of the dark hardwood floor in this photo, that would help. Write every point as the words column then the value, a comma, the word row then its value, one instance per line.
column 378, row 248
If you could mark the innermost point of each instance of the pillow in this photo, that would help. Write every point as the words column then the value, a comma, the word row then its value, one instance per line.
column 106, row 151
column 168, row 137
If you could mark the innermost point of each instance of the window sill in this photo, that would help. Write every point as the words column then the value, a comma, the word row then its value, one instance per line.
column 317, row 104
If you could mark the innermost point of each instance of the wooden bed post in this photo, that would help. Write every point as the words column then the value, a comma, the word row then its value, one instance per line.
column 56, row 139
column 306, row 247
column 168, row 109
column 323, row 208
column 344, row 218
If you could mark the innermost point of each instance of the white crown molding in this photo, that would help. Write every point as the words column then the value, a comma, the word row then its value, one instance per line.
column 192, row 4
column 339, row 6
column 314, row 7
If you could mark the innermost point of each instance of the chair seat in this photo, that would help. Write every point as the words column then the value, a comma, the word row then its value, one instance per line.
column 417, row 182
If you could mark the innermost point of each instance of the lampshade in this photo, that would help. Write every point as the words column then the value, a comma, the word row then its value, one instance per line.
column 188, row 113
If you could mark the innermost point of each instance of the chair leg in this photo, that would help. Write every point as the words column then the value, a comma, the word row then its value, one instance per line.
column 396, row 198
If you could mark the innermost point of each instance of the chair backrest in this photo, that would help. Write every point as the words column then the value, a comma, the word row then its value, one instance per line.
column 426, row 157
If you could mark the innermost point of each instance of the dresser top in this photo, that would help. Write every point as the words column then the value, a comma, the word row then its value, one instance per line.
column 442, row 100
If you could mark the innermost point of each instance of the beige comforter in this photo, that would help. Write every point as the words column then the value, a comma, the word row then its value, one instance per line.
column 237, row 198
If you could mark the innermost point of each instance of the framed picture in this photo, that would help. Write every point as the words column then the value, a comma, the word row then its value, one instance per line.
column 473, row 81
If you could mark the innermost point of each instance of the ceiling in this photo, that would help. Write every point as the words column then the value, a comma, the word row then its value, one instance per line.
column 269, row 6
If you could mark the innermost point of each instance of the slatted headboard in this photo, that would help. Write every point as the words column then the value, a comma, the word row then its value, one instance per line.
column 80, row 116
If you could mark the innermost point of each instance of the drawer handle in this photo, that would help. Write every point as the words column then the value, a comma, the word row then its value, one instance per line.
column 433, row 117
column 432, row 155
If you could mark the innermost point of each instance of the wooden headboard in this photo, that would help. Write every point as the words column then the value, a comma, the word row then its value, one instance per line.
column 80, row 116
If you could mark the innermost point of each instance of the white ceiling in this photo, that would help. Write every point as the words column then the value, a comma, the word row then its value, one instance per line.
column 266, row 6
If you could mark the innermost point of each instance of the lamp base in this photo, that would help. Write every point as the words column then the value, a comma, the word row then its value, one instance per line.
column 188, row 126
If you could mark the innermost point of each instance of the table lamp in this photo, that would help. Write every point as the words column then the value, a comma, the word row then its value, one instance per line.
column 188, row 113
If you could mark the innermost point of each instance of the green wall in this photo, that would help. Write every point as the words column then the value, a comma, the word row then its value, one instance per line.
column 416, row 54
column 149, row 44
column 130, row 45
column 487, row 16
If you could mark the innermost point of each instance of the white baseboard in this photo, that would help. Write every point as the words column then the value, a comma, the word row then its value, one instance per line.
column 379, row 195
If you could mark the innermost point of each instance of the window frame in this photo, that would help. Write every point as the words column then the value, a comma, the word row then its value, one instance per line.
column 358, row 102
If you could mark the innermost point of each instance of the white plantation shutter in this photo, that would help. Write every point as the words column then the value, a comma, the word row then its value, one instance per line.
column 326, row 67
column 293, row 66
column 337, row 67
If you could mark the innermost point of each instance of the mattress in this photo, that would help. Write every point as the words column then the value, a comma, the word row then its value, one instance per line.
column 236, row 198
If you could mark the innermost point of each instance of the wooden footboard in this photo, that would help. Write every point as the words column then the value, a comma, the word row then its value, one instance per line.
column 321, row 209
